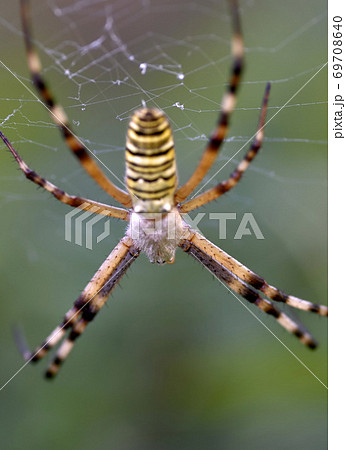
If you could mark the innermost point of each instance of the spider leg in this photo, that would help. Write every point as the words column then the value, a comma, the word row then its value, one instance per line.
column 248, row 293
column 233, row 180
column 59, row 116
column 227, row 107
column 72, row 200
column 251, row 278
column 85, row 308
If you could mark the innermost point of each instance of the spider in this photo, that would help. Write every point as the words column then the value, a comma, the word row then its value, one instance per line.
column 155, row 206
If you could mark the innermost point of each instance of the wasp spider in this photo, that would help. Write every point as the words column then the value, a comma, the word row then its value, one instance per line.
column 155, row 205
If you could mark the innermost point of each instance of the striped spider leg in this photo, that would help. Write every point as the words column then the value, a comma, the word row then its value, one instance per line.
column 246, row 283
column 72, row 200
column 59, row 116
column 227, row 107
column 156, row 224
column 223, row 187
column 85, row 308
column 99, row 288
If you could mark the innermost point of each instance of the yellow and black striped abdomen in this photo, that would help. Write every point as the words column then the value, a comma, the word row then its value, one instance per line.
column 151, row 177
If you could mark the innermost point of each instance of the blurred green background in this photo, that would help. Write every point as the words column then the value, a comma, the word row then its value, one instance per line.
column 173, row 361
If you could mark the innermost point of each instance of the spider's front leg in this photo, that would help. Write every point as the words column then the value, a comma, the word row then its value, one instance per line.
column 225, row 186
column 58, row 115
column 227, row 107
column 85, row 308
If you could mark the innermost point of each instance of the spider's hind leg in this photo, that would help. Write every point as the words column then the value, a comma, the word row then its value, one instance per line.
column 55, row 336
column 85, row 308
column 231, row 278
column 251, row 278
column 94, row 297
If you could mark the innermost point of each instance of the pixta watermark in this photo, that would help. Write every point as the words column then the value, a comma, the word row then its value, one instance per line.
column 80, row 230
column 83, row 222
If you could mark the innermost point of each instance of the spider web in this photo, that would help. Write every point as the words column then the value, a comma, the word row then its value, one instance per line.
column 103, row 60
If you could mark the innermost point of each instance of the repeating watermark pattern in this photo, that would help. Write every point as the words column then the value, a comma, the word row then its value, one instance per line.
column 247, row 226
column 71, row 221
column 83, row 223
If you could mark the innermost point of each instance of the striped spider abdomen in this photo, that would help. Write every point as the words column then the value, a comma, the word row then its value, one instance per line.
column 151, row 176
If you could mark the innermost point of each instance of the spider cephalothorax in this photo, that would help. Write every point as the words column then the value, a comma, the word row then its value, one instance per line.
column 158, row 234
